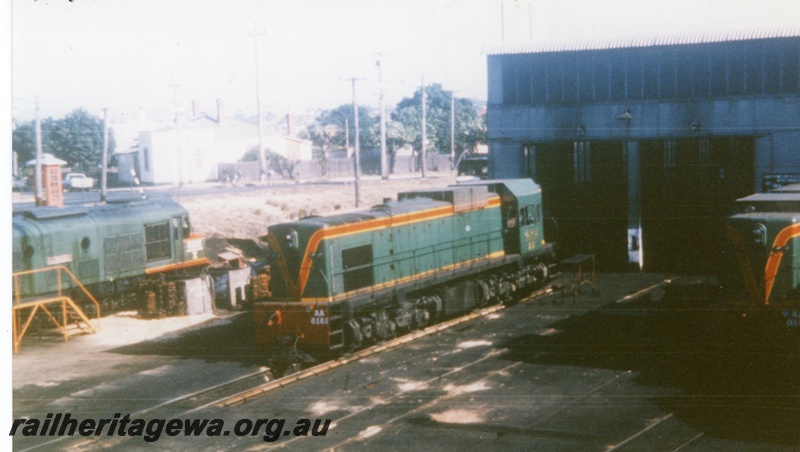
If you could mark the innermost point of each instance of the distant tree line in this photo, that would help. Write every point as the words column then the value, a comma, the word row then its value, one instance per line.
column 77, row 138
column 333, row 130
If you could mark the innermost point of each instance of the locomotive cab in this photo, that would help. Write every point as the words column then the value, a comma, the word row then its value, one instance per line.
column 521, row 211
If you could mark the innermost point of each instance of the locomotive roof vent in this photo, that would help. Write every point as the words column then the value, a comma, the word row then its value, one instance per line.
column 44, row 213
column 463, row 198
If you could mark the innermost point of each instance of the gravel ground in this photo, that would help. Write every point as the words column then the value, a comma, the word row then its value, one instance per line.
column 237, row 220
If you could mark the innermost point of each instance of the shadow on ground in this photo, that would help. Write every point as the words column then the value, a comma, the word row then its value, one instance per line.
column 732, row 387
column 229, row 339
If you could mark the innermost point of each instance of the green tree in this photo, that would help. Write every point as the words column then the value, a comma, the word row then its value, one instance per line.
column 77, row 138
column 325, row 139
column 332, row 127
column 278, row 164
column 470, row 127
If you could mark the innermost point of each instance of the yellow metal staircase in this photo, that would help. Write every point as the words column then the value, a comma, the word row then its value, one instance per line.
column 58, row 307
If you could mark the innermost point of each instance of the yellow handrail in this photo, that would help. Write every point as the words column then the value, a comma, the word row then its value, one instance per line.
column 58, row 268
column 35, row 303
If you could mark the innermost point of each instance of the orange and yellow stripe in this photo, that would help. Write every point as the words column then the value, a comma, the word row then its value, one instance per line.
column 774, row 261
column 296, row 288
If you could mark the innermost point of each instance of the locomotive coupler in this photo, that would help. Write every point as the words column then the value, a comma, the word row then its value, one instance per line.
column 288, row 358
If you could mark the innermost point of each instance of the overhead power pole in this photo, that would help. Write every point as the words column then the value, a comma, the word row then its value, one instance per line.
column 384, row 162
column 424, row 131
column 37, row 172
column 175, row 86
column 262, row 161
column 103, row 175
column 452, row 129
column 357, row 153
column 357, row 147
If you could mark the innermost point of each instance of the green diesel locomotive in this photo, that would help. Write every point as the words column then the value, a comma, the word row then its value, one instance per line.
column 114, row 249
column 346, row 280
column 761, row 278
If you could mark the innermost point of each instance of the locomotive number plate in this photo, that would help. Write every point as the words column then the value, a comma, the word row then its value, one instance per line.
column 319, row 318
column 194, row 245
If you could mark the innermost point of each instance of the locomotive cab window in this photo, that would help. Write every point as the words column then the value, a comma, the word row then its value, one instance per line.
column 187, row 227
column 157, row 241
column 511, row 218
column 357, row 266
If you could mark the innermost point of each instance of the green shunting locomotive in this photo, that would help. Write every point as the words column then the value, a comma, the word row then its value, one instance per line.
column 344, row 281
column 117, row 250
column 761, row 275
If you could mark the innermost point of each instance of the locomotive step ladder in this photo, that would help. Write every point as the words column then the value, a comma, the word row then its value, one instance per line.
column 72, row 319
column 336, row 329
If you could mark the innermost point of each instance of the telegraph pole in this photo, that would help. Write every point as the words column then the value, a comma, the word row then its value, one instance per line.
column 262, row 162
column 175, row 86
column 384, row 163
column 103, row 176
column 424, row 137
column 38, row 170
column 452, row 129
column 357, row 153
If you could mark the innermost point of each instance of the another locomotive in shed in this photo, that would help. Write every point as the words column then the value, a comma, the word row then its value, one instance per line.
column 119, row 251
column 761, row 274
column 347, row 280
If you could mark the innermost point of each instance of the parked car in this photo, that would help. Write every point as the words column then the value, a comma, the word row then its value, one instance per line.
column 18, row 183
column 77, row 181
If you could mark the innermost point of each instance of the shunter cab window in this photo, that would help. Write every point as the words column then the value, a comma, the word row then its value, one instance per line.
column 187, row 228
column 357, row 266
column 157, row 241
column 530, row 215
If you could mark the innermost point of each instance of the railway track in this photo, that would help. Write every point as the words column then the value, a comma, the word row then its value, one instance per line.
column 553, row 394
column 253, row 385
column 183, row 404
column 375, row 349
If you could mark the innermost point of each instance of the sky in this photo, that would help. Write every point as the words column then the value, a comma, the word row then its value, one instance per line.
column 147, row 55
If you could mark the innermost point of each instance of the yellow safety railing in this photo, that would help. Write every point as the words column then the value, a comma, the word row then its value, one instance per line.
column 35, row 303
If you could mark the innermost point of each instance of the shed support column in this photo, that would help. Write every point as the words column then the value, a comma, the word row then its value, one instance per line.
column 631, row 150
column 506, row 159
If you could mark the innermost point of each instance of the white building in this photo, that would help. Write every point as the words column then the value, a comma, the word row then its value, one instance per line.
column 194, row 149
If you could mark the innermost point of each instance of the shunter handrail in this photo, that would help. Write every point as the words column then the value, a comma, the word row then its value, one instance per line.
column 36, row 303
column 17, row 290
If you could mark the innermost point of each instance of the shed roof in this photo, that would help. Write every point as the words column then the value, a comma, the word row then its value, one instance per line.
column 48, row 160
column 670, row 39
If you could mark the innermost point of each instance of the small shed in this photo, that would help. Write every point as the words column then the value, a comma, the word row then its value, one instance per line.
column 51, row 181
